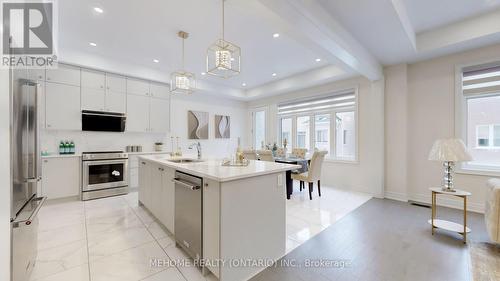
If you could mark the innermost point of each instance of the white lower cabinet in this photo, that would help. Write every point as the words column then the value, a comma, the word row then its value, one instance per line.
column 156, row 202
column 157, row 191
column 167, row 217
column 60, row 177
column 145, row 183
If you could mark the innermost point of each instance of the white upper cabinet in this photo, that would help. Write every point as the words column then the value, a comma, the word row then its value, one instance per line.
column 137, row 87
column 93, row 99
column 93, row 79
column 116, row 102
column 137, row 113
column 62, row 107
column 36, row 74
column 159, row 115
column 159, row 90
column 116, row 83
column 64, row 74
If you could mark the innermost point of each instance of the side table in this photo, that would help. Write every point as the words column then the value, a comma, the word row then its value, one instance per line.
column 448, row 225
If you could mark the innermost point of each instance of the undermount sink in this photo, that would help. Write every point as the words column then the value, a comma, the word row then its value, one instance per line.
column 184, row 160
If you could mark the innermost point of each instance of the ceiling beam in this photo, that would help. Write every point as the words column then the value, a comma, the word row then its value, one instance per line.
column 309, row 23
column 299, row 81
column 402, row 14
column 461, row 32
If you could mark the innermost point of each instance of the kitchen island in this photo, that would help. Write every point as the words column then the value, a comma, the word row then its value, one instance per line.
column 242, row 212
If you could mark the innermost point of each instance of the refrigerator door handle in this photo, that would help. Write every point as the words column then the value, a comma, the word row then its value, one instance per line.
column 34, row 133
column 29, row 220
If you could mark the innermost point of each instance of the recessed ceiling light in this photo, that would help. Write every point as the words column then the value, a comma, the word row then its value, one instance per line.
column 274, row 74
column 156, row 61
column 98, row 10
column 244, row 84
column 92, row 44
column 203, row 73
column 318, row 60
column 276, row 35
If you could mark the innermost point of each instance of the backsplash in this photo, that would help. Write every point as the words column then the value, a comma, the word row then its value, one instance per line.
column 101, row 141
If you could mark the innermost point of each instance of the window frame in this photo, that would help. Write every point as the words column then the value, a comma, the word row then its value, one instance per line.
column 332, row 156
column 461, row 124
column 253, row 111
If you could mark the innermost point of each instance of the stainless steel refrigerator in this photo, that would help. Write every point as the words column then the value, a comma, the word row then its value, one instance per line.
column 25, row 173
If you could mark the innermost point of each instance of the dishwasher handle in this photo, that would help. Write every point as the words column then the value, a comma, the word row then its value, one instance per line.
column 186, row 184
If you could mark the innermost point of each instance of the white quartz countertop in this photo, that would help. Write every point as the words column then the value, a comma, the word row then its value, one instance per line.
column 212, row 168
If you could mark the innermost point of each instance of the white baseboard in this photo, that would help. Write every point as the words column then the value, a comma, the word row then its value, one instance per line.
column 441, row 201
column 447, row 201
column 398, row 196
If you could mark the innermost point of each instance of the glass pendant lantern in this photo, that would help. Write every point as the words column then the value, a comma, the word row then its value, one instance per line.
column 182, row 82
column 223, row 57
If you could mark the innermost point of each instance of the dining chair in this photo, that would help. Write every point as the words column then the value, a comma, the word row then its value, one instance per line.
column 313, row 174
column 265, row 155
column 249, row 154
column 299, row 152
column 280, row 152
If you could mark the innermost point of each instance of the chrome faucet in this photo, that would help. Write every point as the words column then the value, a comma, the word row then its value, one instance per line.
column 198, row 148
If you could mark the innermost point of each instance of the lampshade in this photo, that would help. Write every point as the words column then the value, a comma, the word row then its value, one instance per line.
column 449, row 150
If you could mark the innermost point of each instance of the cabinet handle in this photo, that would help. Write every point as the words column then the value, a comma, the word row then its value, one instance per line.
column 48, row 125
column 143, row 163
column 46, row 161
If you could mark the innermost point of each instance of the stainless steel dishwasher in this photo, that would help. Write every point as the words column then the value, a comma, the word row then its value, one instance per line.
column 188, row 214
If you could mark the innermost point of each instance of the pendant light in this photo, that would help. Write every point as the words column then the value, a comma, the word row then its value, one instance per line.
column 223, row 57
column 182, row 82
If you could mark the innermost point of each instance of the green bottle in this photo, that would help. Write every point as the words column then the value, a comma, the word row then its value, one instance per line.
column 66, row 147
column 61, row 147
column 72, row 147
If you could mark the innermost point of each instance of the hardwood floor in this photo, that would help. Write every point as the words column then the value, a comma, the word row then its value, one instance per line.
column 382, row 240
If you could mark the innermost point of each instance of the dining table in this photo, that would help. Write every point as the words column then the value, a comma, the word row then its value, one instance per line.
column 304, row 162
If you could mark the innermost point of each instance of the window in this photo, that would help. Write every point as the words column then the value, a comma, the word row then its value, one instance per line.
column 309, row 124
column 480, row 98
column 303, row 131
column 483, row 135
column 286, row 132
column 346, row 135
column 322, row 128
column 259, row 128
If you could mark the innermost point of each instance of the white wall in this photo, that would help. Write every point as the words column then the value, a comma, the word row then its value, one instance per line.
column 422, row 98
column 5, row 178
column 367, row 174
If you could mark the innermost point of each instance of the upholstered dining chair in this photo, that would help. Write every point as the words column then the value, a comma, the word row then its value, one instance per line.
column 492, row 210
column 265, row 155
column 249, row 154
column 280, row 152
column 313, row 174
column 299, row 152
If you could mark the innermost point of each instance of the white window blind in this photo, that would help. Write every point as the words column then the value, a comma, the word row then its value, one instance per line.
column 319, row 103
column 481, row 79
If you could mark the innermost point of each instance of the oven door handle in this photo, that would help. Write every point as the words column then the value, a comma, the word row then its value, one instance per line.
column 101, row 162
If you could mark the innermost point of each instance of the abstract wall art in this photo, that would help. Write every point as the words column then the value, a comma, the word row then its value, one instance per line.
column 222, row 127
column 197, row 125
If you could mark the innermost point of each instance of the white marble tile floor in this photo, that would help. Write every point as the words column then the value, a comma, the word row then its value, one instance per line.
column 115, row 238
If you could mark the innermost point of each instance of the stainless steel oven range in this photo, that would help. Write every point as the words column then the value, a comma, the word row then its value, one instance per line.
column 104, row 174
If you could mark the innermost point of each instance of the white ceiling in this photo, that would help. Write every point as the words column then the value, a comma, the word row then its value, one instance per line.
column 352, row 37
column 428, row 14
column 140, row 31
